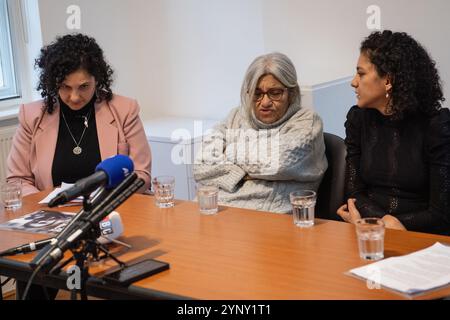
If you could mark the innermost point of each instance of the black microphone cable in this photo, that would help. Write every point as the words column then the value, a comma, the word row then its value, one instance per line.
column 30, row 281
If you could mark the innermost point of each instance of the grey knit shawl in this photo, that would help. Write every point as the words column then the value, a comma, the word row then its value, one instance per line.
column 258, row 125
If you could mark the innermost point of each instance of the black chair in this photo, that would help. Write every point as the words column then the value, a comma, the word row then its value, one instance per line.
column 331, row 190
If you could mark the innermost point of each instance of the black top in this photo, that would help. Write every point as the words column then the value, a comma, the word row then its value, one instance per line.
column 400, row 167
column 68, row 167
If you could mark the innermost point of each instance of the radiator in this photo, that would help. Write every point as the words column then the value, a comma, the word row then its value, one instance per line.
column 6, row 137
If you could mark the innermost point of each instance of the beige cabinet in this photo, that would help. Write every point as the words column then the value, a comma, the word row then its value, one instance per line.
column 174, row 142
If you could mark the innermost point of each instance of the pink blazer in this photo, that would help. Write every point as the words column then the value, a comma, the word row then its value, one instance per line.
column 119, row 130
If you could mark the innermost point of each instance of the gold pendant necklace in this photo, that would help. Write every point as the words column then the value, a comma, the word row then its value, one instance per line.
column 77, row 150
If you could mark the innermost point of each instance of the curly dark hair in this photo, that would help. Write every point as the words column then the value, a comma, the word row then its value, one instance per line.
column 416, row 85
column 68, row 54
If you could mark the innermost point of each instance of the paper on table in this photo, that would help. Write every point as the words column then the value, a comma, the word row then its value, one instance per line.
column 411, row 274
column 53, row 194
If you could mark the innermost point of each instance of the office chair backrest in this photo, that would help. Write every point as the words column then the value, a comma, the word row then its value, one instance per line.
column 331, row 191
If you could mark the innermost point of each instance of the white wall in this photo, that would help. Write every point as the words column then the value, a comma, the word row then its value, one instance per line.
column 188, row 57
column 210, row 45
column 118, row 26
column 184, row 58
column 322, row 37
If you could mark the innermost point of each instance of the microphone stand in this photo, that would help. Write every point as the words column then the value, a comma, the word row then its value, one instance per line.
column 87, row 204
column 89, row 249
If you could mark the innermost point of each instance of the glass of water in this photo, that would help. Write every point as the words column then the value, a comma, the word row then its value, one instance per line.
column 163, row 187
column 303, row 204
column 11, row 195
column 208, row 199
column 370, row 233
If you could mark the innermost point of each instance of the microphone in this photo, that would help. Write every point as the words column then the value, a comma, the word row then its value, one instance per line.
column 109, row 172
column 26, row 248
column 98, row 197
column 129, row 186
column 99, row 201
column 110, row 228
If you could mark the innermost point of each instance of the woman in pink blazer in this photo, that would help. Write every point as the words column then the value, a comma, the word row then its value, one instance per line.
column 78, row 124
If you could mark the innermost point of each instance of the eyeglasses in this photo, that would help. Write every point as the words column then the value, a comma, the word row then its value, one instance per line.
column 272, row 94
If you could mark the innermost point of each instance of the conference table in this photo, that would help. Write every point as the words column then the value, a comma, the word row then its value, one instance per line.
column 235, row 254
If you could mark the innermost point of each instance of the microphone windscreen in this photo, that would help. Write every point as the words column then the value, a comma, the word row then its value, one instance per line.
column 110, row 228
column 116, row 168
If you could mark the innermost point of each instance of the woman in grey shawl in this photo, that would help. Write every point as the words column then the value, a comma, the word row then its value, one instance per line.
column 267, row 147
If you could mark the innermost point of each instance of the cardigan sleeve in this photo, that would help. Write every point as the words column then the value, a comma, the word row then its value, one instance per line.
column 297, row 154
column 213, row 164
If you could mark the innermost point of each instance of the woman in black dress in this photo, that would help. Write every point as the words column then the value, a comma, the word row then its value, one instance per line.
column 398, row 138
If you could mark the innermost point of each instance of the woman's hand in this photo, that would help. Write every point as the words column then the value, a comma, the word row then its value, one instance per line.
column 392, row 222
column 248, row 178
column 348, row 212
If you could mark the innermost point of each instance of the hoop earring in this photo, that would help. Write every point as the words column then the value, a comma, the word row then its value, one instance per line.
column 389, row 108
